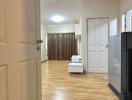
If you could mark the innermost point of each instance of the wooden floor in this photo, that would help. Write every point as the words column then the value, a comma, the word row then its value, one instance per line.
column 58, row 84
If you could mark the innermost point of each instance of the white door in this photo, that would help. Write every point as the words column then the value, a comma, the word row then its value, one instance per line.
column 129, row 21
column 18, row 54
column 98, row 30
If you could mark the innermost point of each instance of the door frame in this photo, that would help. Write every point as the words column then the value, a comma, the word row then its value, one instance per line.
column 126, row 18
column 87, row 68
column 38, row 52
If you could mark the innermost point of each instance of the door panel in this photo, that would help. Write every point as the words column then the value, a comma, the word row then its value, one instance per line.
column 3, row 82
column 92, row 58
column 18, row 54
column 3, row 44
column 27, row 90
column 3, row 54
column 97, row 42
column 103, row 60
column 27, row 57
column 2, row 21
column 26, row 21
column 91, row 35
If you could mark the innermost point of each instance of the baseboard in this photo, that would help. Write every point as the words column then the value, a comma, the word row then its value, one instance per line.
column 114, row 90
column 44, row 61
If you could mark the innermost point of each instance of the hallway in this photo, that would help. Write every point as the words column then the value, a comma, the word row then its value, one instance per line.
column 58, row 84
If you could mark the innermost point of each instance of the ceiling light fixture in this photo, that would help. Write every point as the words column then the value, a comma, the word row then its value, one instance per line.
column 57, row 18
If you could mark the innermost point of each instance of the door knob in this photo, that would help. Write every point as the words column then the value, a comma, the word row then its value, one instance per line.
column 106, row 46
column 38, row 48
column 40, row 41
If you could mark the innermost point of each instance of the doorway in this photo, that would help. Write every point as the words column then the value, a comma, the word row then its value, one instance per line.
column 98, row 33
column 128, row 21
column 57, row 82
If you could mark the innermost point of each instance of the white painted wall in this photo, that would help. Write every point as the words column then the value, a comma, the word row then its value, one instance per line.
column 96, row 9
column 60, row 28
column 77, row 29
column 43, row 45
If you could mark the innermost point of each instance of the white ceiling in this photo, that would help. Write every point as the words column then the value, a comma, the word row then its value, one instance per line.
column 69, row 9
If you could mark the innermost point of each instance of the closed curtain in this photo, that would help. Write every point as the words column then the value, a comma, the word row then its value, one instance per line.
column 61, row 46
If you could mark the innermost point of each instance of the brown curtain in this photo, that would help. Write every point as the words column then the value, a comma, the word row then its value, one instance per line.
column 61, row 46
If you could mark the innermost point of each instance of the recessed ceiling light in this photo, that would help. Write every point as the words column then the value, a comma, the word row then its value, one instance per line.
column 57, row 18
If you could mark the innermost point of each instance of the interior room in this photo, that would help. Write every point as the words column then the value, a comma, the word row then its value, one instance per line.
column 77, row 53
column 65, row 49
column 70, row 28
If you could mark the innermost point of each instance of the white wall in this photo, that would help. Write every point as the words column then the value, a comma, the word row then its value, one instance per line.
column 77, row 29
column 43, row 45
column 60, row 28
column 96, row 9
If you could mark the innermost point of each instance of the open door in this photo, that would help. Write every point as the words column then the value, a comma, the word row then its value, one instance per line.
column 19, row 50
column 129, row 21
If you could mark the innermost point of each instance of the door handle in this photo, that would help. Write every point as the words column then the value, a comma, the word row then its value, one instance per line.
column 40, row 41
column 106, row 46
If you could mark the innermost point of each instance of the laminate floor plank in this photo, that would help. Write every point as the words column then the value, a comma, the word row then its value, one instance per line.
column 58, row 84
